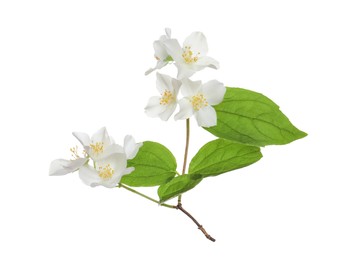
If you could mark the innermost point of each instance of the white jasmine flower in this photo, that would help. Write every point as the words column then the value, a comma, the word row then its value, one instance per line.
column 192, row 57
column 109, row 160
column 161, row 54
column 199, row 99
column 100, row 145
column 163, row 106
column 108, row 171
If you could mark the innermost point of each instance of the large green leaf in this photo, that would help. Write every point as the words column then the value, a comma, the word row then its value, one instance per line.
column 221, row 156
column 248, row 117
column 178, row 185
column 154, row 165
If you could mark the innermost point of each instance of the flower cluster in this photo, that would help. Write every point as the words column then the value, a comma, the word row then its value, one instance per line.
column 198, row 98
column 109, row 159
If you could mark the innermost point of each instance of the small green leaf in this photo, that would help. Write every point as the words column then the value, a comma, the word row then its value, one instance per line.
column 154, row 165
column 248, row 117
column 177, row 186
column 221, row 156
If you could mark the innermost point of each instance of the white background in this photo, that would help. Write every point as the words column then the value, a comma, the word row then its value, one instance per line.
column 79, row 65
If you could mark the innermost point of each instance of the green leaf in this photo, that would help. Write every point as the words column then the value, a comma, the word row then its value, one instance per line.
column 248, row 117
column 221, row 156
column 154, row 165
column 177, row 186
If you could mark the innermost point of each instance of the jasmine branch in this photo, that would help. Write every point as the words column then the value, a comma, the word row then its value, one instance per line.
column 200, row 227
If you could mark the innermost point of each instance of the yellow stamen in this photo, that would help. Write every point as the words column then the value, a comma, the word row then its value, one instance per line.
column 167, row 98
column 198, row 101
column 74, row 153
column 106, row 172
column 97, row 148
column 188, row 55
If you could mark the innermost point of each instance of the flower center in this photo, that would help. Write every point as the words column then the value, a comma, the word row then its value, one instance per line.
column 166, row 98
column 198, row 101
column 97, row 148
column 188, row 55
column 106, row 172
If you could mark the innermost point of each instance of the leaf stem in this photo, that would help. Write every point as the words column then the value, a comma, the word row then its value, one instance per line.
column 145, row 196
column 200, row 227
column 186, row 151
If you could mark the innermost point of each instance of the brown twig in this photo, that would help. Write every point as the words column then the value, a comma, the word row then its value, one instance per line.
column 200, row 227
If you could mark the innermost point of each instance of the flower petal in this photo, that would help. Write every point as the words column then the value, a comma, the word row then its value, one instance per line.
column 111, row 183
column 61, row 167
column 153, row 108
column 101, row 136
column 206, row 116
column 159, row 65
column 56, row 168
column 174, row 50
column 128, row 170
column 186, row 109
column 74, row 165
column 165, row 115
column 213, row 91
column 89, row 176
column 163, row 82
column 190, row 88
column 149, row 71
column 131, row 147
column 185, row 70
column 198, row 43
column 83, row 138
column 176, row 84
column 206, row 61
column 160, row 50
column 168, row 32
column 110, row 149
